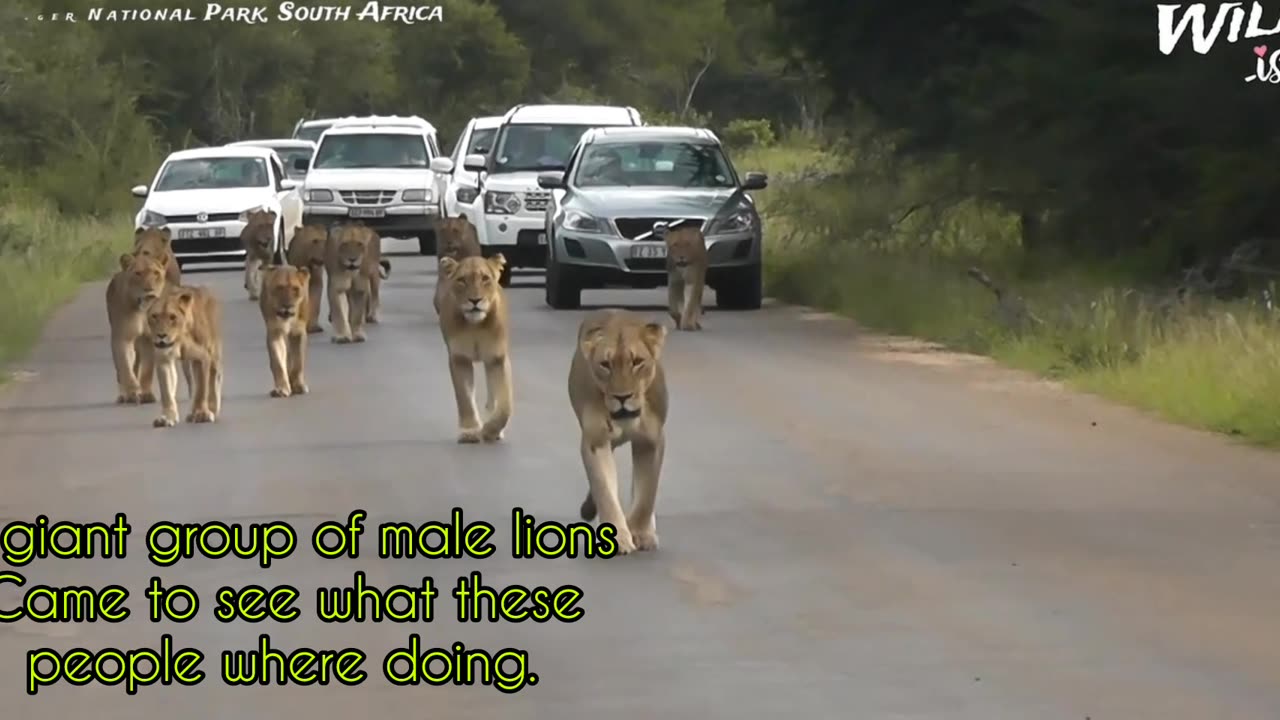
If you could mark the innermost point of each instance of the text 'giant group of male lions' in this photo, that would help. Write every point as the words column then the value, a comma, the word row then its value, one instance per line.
column 616, row 383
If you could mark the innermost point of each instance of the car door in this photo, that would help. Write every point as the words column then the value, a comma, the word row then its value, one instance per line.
column 290, row 201
column 448, row 182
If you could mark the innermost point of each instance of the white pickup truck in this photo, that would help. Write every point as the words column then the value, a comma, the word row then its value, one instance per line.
column 509, row 210
column 376, row 170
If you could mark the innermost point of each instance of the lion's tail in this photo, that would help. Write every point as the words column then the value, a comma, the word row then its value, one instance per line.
column 385, row 266
column 588, row 509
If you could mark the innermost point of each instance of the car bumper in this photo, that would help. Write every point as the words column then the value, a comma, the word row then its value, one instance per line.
column 207, row 242
column 522, row 239
column 410, row 219
column 615, row 255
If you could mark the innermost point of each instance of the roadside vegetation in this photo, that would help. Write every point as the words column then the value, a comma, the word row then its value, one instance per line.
column 1125, row 236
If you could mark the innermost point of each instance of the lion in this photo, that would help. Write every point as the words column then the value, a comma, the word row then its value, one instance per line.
column 139, row 282
column 259, row 240
column 306, row 250
column 456, row 239
column 686, row 275
column 284, row 302
column 355, row 269
column 185, row 324
column 474, row 323
column 158, row 243
column 618, row 391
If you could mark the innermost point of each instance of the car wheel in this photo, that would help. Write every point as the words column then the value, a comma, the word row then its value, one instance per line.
column 743, row 290
column 427, row 244
column 562, row 289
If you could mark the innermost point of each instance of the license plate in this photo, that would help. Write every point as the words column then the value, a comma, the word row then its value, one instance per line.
column 542, row 238
column 368, row 212
column 656, row 250
column 202, row 233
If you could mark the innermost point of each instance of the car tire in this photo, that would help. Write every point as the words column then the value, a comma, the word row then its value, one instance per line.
column 427, row 244
column 744, row 290
column 563, row 292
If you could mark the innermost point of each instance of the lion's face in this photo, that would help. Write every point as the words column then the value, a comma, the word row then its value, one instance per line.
column 144, row 277
column 169, row 320
column 259, row 228
column 285, row 287
column 352, row 246
column 453, row 234
column 155, row 242
column 624, row 361
column 684, row 246
column 473, row 283
column 309, row 239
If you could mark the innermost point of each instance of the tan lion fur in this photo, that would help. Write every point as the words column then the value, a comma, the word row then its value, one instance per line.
column 686, row 275
column 306, row 250
column 618, row 391
column 474, row 321
column 285, row 305
column 185, row 325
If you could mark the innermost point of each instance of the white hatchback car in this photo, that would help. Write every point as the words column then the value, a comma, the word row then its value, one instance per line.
column 203, row 194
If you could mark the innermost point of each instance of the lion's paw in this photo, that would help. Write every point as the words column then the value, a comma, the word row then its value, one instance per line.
column 645, row 539
column 280, row 392
column 358, row 336
column 300, row 388
column 202, row 416
column 467, row 436
column 164, row 422
column 626, row 544
column 492, row 434
column 341, row 340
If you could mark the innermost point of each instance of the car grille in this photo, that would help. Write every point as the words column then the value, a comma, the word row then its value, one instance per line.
column 213, row 217
column 536, row 201
column 367, row 197
column 630, row 228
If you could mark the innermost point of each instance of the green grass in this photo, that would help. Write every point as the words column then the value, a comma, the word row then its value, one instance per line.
column 839, row 243
column 44, row 257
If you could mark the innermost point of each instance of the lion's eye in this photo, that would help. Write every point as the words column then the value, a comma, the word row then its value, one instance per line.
column 637, row 362
column 604, row 365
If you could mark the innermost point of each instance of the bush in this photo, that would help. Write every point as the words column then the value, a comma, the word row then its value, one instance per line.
column 743, row 134
column 44, row 257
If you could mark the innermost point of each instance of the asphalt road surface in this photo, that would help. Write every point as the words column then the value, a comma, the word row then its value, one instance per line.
column 851, row 527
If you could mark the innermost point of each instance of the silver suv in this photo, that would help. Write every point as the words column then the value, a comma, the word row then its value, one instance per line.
column 621, row 182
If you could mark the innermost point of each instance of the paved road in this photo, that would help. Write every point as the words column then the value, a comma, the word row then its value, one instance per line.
column 852, row 528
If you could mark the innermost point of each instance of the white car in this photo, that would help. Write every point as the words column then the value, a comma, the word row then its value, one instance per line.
column 203, row 194
column 376, row 170
column 531, row 139
column 312, row 129
column 456, row 187
column 289, row 150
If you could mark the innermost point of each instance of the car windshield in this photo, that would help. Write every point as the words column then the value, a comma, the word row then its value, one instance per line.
column 213, row 173
column 311, row 132
column 654, row 164
column 371, row 150
column 525, row 148
column 481, row 141
column 288, row 155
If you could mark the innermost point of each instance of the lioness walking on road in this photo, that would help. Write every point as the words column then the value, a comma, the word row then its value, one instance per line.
column 186, row 325
column 306, row 250
column 157, row 242
column 619, row 393
column 258, row 238
column 686, row 275
column 130, row 292
column 354, row 268
column 474, row 323
column 456, row 238
column 285, row 306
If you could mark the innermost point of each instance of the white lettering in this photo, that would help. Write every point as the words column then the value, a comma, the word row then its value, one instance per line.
column 212, row 10
column 1255, row 21
column 1200, row 42
column 95, row 14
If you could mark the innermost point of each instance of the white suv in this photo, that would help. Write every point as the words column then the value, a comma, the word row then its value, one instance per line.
column 376, row 170
column 530, row 140
column 458, row 188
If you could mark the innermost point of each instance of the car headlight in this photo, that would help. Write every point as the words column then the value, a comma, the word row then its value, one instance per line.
column 738, row 221
column 501, row 203
column 584, row 223
column 466, row 195
column 416, row 195
column 151, row 218
column 319, row 196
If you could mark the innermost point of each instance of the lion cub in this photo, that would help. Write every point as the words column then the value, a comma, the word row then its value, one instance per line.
column 186, row 325
column 139, row 282
column 619, row 393
column 455, row 238
column 686, row 275
column 158, row 243
column 355, row 269
column 285, row 304
column 474, row 323
column 258, row 239
column 306, row 250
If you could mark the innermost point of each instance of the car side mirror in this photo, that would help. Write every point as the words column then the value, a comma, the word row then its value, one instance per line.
column 442, row 165
column 288, row 184
column 300, row 164
column 755, row 181
column 551, row 180
column 475, row 163
column 139, row 191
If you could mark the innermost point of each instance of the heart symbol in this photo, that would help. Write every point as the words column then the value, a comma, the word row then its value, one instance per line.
column 1260, row 50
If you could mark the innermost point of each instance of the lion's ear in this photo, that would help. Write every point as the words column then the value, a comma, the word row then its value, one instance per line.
column 655, row 336
column 498, row 262
column 304, row 273
column 185, row 298
column 589, row 340
column 125, row 261
column 447, row 266
column 167, row 233
column 138, row 233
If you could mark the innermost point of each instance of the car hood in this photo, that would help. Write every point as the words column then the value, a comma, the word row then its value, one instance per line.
column 226, row 200
column 368, row 178
column 653, row 202
column 511, row 182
